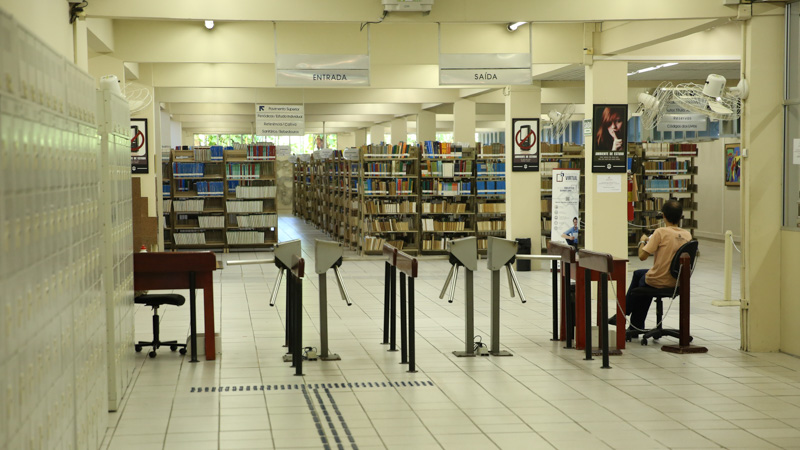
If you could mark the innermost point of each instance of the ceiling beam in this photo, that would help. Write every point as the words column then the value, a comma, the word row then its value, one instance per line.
column 640, row 34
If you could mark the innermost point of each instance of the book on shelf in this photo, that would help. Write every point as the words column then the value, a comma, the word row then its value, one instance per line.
column 238, row 237
column 443, row 207
column 188, row 169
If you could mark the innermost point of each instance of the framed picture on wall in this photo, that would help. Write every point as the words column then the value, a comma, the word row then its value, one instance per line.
column 610, row 139
column 733, row 160
column 526, row 145
column 139, row 153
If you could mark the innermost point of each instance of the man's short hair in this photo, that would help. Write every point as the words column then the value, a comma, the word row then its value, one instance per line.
column 574, row 218
column 673, row 211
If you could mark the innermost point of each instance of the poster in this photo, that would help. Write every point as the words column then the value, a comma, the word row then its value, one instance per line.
column 565, row 216
column 139, row 158
column 525, row 135
column 610, row 139
column 607, row 184
column 733, row 161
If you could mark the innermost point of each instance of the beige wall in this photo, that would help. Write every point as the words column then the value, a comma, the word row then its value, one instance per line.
column 47, row 19
column 719, row 206
column 790, row 293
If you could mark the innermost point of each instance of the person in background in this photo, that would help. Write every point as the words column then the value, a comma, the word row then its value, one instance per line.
column 662, row 244
column 609, row 135
column 571, row 235
column 319, row 143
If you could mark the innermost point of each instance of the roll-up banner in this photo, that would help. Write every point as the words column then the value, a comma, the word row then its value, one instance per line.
column 565, row 214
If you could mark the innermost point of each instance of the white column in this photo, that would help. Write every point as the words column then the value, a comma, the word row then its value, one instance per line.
column 606, row 213
column 523, row 189
column 399, row 131
column 376, row 133
column 464, row 121
column 345, row 140
column 361, row 137
column 80, row 44
column 426, row 126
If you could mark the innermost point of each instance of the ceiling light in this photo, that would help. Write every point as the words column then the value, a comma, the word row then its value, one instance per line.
column 209, row 24
column 648, row 69
column 513, row 26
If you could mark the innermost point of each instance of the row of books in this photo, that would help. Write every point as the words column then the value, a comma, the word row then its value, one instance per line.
column 188, row 169
column 400, row 186
column 434, row 244
column 243, row 170
column 188, row 205
column 442, row 225
column 385, row 207
column 491, row 207
column 666, row 185
column 492, row 150
column 208, row 188
column 386, row 151
column 213, row 153
column 211, row 221
column 655, row 203
column 443, row 207
column 491, row 168
column 461, row 168
column 436, row 148
column 245, row 237
column 191, row 238
column 379, row 225
column 165, row 189
column 264, row 152
column 445, row 188
column 668, row 165
column 388, row 168
column 491, row 187
column 491, row 225
column 256, row 191
column 244, row 207
column 660, row 149
column 375, row 244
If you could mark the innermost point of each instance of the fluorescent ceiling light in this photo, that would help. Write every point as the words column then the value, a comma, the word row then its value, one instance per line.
column 209, row 24
column 648, row 69
column 515, row 25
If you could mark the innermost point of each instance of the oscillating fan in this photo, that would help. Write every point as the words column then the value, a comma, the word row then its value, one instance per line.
column 560, row 119
column 712, row 99
column 138, row 97
column 652, row 106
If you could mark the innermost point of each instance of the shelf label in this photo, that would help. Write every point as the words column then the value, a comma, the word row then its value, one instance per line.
column 280, row 120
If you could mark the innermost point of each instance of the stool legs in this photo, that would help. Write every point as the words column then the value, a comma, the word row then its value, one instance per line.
column 156, row 342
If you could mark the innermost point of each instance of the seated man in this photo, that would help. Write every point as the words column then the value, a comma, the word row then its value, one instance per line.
column 571, row 235
column 663, row 244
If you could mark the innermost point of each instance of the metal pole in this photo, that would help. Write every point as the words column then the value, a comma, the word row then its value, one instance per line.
column 393, row 310
column 298, row 313
column 403, row 326
column 587, row 318
column 453, row 286
column 571, row 304
column 323, row 314
column 447, row 281
column 289, row 314
column 386, row 287
column 604, row 317
column 193, row 316
column 513, row 277
column 469, row 332
column 495, row 312
column 275, row 289
column 510, row 280
column 728, row 263
column 411, row 333
column 342, row 287
column 554, row 271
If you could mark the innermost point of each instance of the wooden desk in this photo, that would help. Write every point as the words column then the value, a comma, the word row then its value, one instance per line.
column 170, row 270
column 618, row 276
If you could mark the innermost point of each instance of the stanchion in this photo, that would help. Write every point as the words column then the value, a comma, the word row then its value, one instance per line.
column 566, row 254
column 407, row 265
column 294, row 298
column 728, row 271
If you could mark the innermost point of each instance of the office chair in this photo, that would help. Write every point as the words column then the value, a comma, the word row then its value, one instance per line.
column 154, row 301
column 661, row 293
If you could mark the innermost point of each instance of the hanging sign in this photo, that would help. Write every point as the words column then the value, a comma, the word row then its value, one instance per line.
column 610, row 139
column 322, row 70
column 682, row 122
column 525, row 137
column 280, row 120
column 485, row 68
column 565, row 223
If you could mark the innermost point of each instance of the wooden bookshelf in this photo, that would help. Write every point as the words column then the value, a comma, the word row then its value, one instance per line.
column 490, row 193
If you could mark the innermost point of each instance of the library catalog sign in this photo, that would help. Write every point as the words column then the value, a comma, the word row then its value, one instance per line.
column 484, row 68
column 676, row 118
column 280, row 120
column 322, row 70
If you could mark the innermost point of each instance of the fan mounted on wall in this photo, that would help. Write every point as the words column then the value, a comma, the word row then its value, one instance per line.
column 138, row 96
column 559, row 119
column 652, row 106
column 712, row 99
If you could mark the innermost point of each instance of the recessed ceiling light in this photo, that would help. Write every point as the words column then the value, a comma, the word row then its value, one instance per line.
column 515, row 25
column 209, row 24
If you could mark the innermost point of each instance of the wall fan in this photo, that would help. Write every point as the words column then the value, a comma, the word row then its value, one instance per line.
column 559, row 119
column 712, row 99
column 652, row 106
column 138, row 96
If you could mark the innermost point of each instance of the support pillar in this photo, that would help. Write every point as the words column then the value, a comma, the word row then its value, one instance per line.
column 426, row 126
column 523, row 205
column 376, row 134
column 464, row 121
column 361, row 137
column 606, row 216
column 399, row 131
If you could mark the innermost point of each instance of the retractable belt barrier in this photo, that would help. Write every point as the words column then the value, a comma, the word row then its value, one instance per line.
column 407, row 265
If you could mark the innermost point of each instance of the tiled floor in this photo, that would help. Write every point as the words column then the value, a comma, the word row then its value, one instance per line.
column 545, row 396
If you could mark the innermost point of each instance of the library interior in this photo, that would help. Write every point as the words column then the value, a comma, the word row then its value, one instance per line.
column 171, row 172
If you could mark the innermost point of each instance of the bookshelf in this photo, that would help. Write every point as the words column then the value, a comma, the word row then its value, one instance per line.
column 166, row 195
column 220, row 198
column 447, row 199
column 661, row 171
column 490, row 193
column 559, row 156
column 388, row 197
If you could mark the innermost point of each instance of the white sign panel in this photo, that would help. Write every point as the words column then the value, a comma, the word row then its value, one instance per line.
column 485, row 76
column 280, row 120
column 683, row 122
column 565, row 216
column 795, row 151
column 322, row 70
column 609, row 183
column 283, row 150
column 484, row 68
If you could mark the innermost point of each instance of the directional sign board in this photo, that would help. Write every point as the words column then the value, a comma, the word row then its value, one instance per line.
column 280, row 120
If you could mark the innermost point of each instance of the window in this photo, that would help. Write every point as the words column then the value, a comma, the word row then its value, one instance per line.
column 297, row 144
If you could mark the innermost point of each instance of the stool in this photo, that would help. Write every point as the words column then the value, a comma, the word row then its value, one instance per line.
column 154, row 301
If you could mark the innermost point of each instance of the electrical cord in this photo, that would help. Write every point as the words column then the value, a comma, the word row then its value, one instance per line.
column 734, row 245
column 478, row 343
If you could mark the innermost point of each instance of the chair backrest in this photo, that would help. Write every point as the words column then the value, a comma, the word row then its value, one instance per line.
column 690, row 248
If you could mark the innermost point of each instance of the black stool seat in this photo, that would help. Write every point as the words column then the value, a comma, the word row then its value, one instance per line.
column 655, row 292
column 156, row 300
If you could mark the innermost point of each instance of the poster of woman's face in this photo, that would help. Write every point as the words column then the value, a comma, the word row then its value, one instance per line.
column 610, row 138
